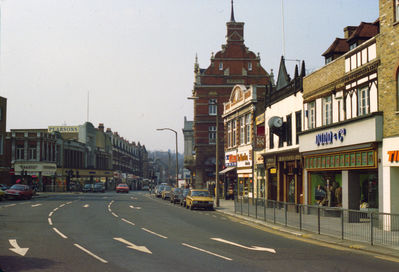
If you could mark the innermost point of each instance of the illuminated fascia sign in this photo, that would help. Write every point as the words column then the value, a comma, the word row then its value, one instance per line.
column 393, row 156
column 231, row 160
column 329, row 137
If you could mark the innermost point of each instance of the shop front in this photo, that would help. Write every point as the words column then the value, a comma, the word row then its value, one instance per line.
column 260, row 176
column 36, row 174
column 229, row 174
column 76, row 178
column 244, row 172
column 389, row 202
column 341, row 165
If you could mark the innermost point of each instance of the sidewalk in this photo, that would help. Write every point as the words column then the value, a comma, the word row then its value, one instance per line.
column 227, row 207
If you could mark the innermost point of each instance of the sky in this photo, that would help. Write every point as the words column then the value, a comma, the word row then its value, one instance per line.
column 129, row 63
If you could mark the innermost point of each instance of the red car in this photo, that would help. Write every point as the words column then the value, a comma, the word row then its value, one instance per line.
column 19, row 191
column 122, row 188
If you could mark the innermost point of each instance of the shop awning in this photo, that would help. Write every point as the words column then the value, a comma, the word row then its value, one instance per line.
column 227, row 170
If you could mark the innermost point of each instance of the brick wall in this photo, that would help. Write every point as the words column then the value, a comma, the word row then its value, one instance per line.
column 388, row 52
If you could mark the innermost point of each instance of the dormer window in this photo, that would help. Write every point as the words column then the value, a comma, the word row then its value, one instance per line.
column 352, row 46
column 328, row 60
column 220, row 66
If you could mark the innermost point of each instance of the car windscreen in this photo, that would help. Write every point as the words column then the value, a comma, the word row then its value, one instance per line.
column 98, row 185
column 17, row 187
column 167, row 188
column 200, row 193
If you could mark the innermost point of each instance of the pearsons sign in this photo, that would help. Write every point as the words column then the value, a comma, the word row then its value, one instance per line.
column 330, row 136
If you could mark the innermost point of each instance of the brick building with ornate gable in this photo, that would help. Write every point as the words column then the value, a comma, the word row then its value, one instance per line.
column 234, row 64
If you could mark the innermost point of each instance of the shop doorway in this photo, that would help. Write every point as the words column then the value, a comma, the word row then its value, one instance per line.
column 272, row 184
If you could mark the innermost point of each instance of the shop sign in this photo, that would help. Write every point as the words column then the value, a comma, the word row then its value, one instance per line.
column 273, row 170
column 230, row 159
column 354, row 159
column 393, row 156
column 328, row 137
column 64, row 129
column 244, row 159
column 259, row 159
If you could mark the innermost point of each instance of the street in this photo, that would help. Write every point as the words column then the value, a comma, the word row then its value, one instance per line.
column 138, row 232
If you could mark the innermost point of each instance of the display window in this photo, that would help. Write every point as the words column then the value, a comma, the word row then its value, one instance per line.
column 326, row 189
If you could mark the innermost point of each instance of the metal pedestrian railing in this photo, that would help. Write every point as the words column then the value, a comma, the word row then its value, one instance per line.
column 356, row 225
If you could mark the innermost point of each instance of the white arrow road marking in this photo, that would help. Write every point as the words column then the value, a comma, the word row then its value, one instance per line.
column 133, row 246
column 154, row 233
column 86, row 206
column 90, row 253
column 206, row 251
column 133, row 207
column 114, row 214
column 60, row 233
column 36, row 205
column 124, row 220
column 15, row 248
column 256, row 248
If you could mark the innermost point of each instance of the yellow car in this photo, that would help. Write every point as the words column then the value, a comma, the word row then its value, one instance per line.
column 198, row 198
column 2, row 195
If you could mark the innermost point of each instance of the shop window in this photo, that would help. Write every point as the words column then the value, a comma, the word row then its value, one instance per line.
column 289, row 130
column 248, row 128
column 327, row 110
column 326, row 189
column 298, row 125
column 312, row 115
column 363, row 97
column 212, row 134
column 271, row 139
column 396, row 10
column 242, row 130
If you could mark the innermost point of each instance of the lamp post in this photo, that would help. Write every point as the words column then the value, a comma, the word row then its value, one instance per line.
column 177, row 159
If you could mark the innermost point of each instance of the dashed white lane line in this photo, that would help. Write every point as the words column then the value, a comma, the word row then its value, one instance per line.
column 127, row 221
column 56, row 209
column 159, row 235
column 62, row 205
column 50, row 214
column 60, row 233
column 90, row 253
column 50, row 222
column 114, row 214
column 36, row 205
column 9, row 205
column 69, row 202
column 86, row 206
column 206, row 251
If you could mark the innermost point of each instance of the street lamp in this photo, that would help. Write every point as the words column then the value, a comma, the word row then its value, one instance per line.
column 177, row 159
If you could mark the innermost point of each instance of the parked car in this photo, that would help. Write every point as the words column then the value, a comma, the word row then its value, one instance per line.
column 99, row 187
column 197, row 198
column 2, row 195
column 174, row 195
column 183, row 197
column 166, row 192
column 87, row 188
column 3, row 187
column 19, row 191
column 158, row 190
column 122, row 188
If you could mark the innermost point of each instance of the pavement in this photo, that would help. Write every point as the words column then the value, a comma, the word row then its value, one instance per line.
column 227, row 207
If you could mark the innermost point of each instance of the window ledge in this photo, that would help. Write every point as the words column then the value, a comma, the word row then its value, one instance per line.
column 397, row 112
column 395, row 23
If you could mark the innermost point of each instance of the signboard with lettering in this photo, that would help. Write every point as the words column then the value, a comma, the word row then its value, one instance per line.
column 64, row 129
column 230, row 159
column 244, row 157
